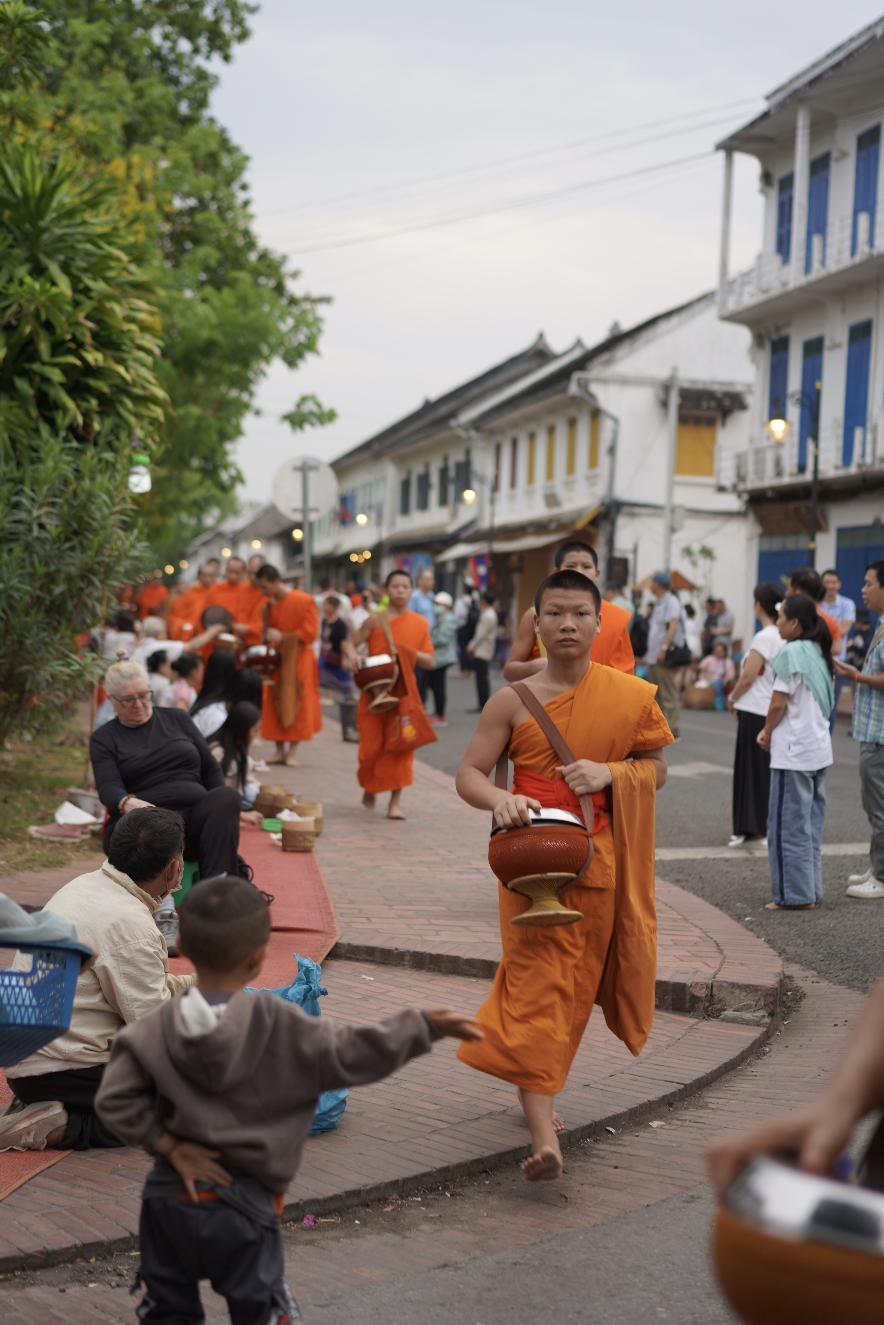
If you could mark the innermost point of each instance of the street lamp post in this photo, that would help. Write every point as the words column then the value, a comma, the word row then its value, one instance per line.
column 778, row 430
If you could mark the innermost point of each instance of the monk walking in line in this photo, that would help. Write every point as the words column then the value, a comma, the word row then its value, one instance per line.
column 290, row 711
column 248, row 616
column 550, row 977
column 612, row 648
column 225, row 593
column 187, row 612
column 380, row 767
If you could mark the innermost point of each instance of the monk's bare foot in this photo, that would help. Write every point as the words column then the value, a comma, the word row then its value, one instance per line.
column 368, row 800
column 558, row 1122
column 395, row 810
column 291, row 761
column 547, row 1163
column 276, row 759
column 775, row 906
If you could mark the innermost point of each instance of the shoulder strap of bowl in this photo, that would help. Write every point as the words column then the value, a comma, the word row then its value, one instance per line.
column 388, row 634
column 556, row 740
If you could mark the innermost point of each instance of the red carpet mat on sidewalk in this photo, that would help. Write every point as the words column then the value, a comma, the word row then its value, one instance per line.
column 17, row 1166
column 302, row 912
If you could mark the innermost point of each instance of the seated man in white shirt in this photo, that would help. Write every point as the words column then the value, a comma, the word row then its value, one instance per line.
column 112, row 909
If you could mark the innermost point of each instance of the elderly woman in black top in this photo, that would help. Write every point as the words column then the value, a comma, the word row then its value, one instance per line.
column 148, row 756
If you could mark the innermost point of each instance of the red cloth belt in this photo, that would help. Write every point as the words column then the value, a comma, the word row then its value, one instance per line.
column 559, row 796
column 209, row 1195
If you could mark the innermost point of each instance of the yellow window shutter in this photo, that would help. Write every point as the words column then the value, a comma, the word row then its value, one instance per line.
column 695, row 445
column 550, row 453
column 532, row 457
column 594, row 429
column 571, row 460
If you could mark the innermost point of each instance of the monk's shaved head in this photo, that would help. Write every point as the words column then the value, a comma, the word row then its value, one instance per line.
column 568, row 581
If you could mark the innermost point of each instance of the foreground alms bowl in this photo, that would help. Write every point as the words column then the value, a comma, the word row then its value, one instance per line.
column 262, row 658
column 794, row 1249
column 540, row 861
column 374, row 671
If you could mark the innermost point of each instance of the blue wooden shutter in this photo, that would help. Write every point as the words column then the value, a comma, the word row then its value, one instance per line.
column 817, row 206
column 784, row 217
column 811, row 373
column 779, row 377
column 865, row 189
column 856, row 396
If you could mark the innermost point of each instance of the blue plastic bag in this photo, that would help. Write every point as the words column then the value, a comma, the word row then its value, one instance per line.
column 306, row 992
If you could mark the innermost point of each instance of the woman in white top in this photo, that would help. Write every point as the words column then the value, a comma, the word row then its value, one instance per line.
column 749, row 701
column 796, row 732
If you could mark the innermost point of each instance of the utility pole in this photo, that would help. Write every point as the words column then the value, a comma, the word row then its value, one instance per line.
column 305, row 467
column 671, row 443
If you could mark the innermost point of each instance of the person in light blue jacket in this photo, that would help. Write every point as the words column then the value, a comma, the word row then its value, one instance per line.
column 444, row 637
column 796, row 732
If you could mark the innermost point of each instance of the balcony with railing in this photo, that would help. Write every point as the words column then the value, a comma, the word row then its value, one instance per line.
column 834, row 260
column 788, row 464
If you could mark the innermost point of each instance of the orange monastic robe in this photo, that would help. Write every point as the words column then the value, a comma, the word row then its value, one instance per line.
column 249, row 612
column 188, row 611
column 152, row 596
column 549, row 978
column 295, row 614
column 224, row 594
column 612, row 646
column 378, row 769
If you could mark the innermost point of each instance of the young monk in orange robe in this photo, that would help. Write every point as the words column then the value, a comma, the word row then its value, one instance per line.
column 225, row 593
column 248, row 619
column 186, row 613
column 151, row 598
column 612, row 647
column 380, row 769
column 544, row 988
column 290, row 710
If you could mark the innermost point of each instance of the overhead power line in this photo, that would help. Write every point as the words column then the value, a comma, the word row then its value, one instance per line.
column 526, row 200
column 541, row 152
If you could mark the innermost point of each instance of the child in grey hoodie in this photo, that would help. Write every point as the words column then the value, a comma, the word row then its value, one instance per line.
column 221, row 1086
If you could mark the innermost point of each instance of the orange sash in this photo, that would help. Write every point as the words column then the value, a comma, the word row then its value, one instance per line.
column 559, row 795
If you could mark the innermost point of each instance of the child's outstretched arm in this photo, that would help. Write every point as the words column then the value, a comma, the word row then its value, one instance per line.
column 454, row 1024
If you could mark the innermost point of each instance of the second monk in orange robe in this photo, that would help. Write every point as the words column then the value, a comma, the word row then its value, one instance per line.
column 379, row 768
column 549, row 978
column 290, row 710
column 612, row 646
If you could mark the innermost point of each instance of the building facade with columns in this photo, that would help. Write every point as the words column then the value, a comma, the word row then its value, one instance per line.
column 618, row 444
column 813, row 302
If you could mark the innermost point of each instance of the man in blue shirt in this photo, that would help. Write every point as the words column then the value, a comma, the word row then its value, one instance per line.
column 868, row 729
column 421, row 601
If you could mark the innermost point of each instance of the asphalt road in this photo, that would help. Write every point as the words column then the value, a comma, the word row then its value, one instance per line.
column 842, row 939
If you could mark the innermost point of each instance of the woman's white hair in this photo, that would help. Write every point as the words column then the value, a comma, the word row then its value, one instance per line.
column 122, row 672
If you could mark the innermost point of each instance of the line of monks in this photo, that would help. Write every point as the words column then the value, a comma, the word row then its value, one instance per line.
column 576, row 658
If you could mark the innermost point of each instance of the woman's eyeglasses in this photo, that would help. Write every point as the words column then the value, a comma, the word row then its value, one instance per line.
column 144, row 698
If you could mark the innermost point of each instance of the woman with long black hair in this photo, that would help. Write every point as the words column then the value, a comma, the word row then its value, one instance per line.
column 216, row 692
column 231, row 745
column 749, row 702
column 796, row 732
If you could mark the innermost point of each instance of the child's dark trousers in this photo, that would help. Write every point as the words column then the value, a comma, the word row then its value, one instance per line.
column 182, row 1243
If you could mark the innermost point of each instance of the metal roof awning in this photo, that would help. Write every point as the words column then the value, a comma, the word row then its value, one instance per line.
column 524, row 544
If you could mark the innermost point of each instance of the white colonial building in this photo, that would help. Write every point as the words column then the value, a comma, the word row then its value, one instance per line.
column 618, row 444
column 813, row 303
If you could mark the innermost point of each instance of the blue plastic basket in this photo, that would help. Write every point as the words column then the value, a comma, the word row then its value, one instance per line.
column 36, row 1005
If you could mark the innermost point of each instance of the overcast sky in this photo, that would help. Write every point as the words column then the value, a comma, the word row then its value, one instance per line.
column 517, row 161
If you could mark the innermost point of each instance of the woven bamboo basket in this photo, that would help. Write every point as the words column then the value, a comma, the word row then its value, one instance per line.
column 298, row 836
column 313, row 808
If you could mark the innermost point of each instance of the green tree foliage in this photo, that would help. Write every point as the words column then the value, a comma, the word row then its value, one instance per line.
column 125, row 85
column 78, row 385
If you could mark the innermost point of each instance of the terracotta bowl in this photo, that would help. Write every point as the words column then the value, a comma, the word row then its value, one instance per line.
column 375, row 671
column 225, row 641
column 262, row 658
column 552, row 845
column 791, row 1247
